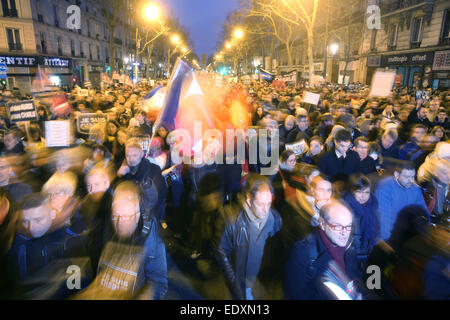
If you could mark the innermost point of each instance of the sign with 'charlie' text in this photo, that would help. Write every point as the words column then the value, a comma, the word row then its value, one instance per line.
column 22, row 111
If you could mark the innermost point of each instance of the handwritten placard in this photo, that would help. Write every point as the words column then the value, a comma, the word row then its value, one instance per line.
column 58, row 133
column 312, row 98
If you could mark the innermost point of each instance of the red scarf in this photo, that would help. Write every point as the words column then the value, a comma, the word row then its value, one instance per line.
column 337, row 253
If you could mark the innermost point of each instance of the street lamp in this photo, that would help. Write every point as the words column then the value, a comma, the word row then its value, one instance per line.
column 228, row 45
column 175, row 39
column 151, row 12
column 238, row 33
column 334, row 48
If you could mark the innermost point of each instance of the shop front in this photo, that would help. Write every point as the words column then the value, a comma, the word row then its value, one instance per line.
column 21, row 70
column 414, row 69
column 441, row 70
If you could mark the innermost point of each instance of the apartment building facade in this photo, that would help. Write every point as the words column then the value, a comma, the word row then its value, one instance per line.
column 35, row 33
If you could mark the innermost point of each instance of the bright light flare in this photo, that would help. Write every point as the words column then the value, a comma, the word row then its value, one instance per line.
column 151, row 12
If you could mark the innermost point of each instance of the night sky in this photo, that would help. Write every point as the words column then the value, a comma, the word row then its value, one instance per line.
column 203, row 20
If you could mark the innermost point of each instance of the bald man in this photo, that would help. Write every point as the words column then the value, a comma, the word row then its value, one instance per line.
column 328, row 247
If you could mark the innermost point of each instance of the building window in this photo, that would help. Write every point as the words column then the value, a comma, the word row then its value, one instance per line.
column 393, row 35
column 59, row 42
column 43, row 43
column 373, row 40
column 72, row 47
column 40, row 17
column 417, row 31
column 55, row 15
column 445, row 31
column 81, row 50
column 9, row 8
column 14, row 42
column 98, row 53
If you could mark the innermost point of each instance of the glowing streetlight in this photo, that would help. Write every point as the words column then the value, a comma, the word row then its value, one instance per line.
column 175, row 39
column 228, row 45
column 334, row 48
column 239, row 33
column 151, row 12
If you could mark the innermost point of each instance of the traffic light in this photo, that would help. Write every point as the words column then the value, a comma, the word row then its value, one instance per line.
column 224, row 71
column 3, row 82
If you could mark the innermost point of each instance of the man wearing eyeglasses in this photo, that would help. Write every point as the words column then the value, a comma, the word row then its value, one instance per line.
column 327, row 250
column 133, row 263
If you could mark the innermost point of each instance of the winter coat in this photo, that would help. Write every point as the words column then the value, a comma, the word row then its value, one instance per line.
column 235, row 243
column 392, row 198
column 367, row 226
column 308, row 262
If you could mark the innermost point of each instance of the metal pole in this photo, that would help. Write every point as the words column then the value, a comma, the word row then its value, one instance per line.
column 137, row 56
column 325, row 63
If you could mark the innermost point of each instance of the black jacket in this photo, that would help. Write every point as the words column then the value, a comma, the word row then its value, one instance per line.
column 235, row 243
column 337, row 170
column 32, row 261
column 146, row 170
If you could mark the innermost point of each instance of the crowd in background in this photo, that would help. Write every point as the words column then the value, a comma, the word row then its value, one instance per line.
column 370, row 187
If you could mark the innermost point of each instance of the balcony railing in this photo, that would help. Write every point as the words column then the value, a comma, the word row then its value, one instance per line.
column 10, row 13
column 15, row 47
column 388, row 6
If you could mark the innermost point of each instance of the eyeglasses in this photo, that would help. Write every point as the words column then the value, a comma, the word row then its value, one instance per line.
column 123, row 218
column 338, row 227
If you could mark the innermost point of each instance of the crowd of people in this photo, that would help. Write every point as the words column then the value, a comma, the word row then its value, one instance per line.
column 114, row 216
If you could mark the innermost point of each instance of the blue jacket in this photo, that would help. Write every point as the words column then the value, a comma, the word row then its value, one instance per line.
column 407, row 150
column 235, row 242
column 392, row 198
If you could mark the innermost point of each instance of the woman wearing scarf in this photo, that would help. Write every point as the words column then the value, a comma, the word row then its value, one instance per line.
column 365, row 210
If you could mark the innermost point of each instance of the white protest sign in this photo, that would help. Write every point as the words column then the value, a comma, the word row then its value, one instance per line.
column 312, row 98
column 58, row 133
column 297, row 147
column 83, row 93
column 382, row 84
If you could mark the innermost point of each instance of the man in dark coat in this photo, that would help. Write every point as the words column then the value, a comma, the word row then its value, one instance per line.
column 133, row 264
column 328, row 250
column 245, row 238
column 138, row 169
column 340, row 162
column 301, row 131
column 389, row 144
column 39, row 258
column 367, row 165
